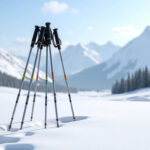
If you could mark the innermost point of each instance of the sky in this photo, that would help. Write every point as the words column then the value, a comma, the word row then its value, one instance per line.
column 78, row 21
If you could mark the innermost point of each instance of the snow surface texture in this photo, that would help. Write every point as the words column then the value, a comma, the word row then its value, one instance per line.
column 13, row 66
column 106, row 122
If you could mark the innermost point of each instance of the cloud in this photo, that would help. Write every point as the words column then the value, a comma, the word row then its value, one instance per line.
column 74, row 11
column 90, row 28
column 20, row 40
column 126, row 31
column 54, row 7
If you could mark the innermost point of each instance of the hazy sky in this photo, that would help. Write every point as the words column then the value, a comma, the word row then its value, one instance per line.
column 78, row 21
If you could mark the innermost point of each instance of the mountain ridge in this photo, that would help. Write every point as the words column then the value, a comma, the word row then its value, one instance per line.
column 134, row 55
column 79, row 57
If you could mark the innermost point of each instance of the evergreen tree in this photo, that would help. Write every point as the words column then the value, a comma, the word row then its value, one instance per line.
column 128, row 83
column 140, row 79
column 122, row 86
column 146, row 78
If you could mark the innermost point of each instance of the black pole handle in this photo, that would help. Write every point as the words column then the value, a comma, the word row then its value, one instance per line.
column 57, row 39
column 34, row 36
column 41, row 37
column 48, row 33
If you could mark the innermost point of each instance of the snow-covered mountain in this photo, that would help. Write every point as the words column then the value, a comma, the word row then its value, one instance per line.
column 105, row 51
column 134, row 55
column 13, row 66
column 78, row 57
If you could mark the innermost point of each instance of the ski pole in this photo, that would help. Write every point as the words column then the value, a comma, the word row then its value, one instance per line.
column 54, row 90
column 36, row 82
column 46, row 90
column 24, row 74
column 49, row 38
column 40, row 46
column 58, row 45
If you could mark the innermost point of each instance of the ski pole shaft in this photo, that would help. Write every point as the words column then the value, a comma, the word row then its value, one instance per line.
column 24, row 74
column 36, row 82
column 49, row 37
column 18, row 96
column 46, row 89
column 40, row 46
column 54, row 90
column 65, row 77
column 58, row 45
column 28, row 95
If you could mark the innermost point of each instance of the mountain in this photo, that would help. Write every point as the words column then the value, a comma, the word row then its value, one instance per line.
column 13, row 66
column 76, row 58
column 105, row 51
column 79, row 57
column 134, row 55
column 11, row 71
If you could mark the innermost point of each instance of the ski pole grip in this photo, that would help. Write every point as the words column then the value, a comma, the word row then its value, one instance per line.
column 47, row 24
column 34, row 36
column 58, row 42
column 48, row 33
column 41, row 36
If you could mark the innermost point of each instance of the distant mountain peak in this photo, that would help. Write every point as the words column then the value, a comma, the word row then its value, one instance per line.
column 108, row 43
column 93, row 43
column 146, row 31
column 78, row 45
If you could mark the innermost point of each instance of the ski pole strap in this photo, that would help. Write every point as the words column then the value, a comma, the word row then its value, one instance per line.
column 34, row 36
column 41, row 36
column 57, row 39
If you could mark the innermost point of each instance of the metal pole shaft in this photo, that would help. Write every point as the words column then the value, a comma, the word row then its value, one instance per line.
column 65, row 77
column 30, row 84
column 17, row 99
column 35, row 90
column 46, row 90
column 54, row 90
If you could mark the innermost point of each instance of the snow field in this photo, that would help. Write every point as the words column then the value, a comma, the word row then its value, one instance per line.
column 118, row 122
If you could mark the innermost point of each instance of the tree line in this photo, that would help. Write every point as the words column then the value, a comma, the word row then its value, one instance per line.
column 139, row 79
column 9, row 81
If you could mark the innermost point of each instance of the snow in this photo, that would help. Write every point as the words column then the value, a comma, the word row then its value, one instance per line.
column 13, row 66
column 92, row 54
column 104, row 121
